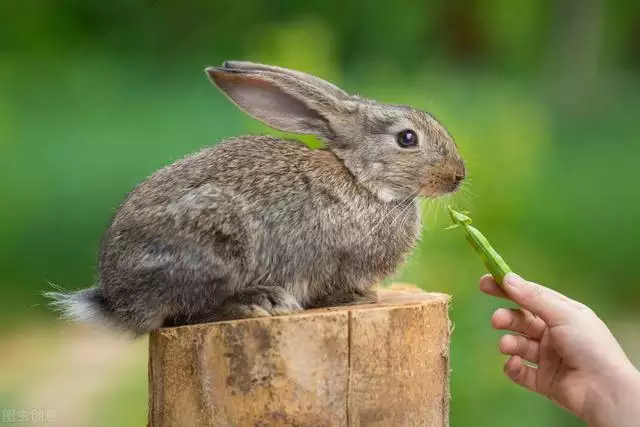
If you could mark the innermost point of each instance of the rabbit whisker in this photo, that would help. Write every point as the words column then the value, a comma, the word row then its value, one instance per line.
column 404, row 213
column 388, row 214
column 427, row 214
column 406, row 216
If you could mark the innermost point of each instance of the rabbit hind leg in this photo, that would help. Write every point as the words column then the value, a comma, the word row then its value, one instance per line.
column 345, row 297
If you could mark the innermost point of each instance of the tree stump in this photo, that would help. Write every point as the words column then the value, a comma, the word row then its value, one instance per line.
column 383, row 364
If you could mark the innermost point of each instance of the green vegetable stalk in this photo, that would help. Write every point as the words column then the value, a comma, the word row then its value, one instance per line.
column 494, row 262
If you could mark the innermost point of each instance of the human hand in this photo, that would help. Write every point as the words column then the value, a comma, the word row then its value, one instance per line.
column 579, row 364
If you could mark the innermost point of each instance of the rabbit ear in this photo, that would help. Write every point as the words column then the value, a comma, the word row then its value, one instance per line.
column 312, row 80
column 281, row 101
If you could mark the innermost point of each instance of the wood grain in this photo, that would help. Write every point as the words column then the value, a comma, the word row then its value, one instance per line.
column 383, row 364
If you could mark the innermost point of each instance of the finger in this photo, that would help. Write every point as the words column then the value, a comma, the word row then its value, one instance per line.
column 554, row 366
column 518, row 345
column 489, row 286
column 552, row 307
column 521, row 374
column 520, row 321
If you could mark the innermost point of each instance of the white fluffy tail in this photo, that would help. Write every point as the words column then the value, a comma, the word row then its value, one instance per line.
column 85, row 306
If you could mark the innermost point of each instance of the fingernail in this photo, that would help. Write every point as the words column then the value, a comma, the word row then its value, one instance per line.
column 513, row 281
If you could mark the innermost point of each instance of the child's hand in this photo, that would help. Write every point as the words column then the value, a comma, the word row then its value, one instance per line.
column 580, row 365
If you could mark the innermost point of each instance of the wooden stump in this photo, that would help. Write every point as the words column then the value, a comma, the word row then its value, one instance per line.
column 383, row 364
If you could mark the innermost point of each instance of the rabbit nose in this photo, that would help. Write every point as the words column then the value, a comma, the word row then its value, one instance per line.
column 459, row 175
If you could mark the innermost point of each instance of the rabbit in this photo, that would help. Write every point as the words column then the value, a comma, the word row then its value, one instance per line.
column 261, row 226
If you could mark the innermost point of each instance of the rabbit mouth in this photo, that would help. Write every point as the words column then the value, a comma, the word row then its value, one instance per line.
column 453, row 187
column 433, row 190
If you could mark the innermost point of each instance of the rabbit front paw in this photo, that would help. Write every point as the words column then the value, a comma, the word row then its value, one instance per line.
column 261, row 301
column 258, row 301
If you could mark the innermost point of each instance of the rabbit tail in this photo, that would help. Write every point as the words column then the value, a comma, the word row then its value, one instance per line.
column 84, row 306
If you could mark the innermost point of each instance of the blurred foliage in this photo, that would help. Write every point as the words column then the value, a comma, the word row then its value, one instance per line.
column 542, row 97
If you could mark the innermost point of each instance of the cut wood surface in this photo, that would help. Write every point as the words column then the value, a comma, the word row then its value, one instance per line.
column 383, row 364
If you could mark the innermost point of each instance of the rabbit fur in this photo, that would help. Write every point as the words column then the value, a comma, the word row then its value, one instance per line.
column 258, row 225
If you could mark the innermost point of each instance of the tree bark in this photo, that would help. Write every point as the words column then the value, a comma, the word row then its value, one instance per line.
column 383, row 364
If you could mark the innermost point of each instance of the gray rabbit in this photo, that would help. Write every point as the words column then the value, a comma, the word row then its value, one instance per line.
column 259, row 226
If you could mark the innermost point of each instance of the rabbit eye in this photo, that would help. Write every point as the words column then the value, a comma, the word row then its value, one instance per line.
column 407, row 139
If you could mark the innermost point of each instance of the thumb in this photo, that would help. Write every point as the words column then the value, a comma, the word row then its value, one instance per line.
column 549, row 305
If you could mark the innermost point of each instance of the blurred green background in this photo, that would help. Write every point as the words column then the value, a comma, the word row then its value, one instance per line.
column 543, row 98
